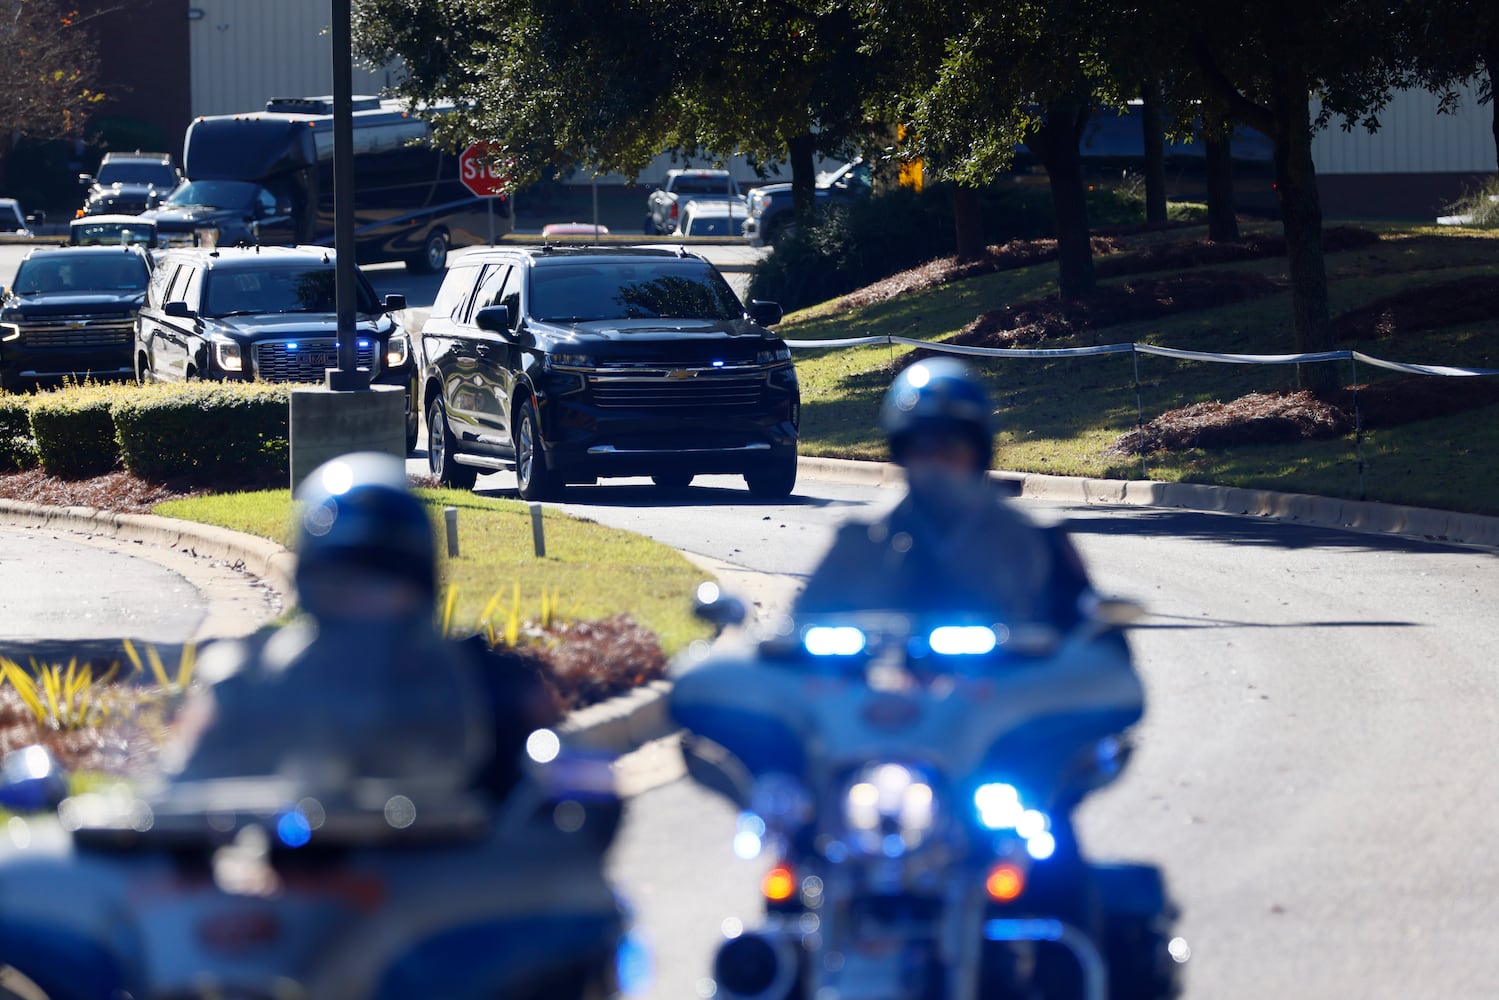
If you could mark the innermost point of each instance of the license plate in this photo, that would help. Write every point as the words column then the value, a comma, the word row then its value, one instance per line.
column 318, row 359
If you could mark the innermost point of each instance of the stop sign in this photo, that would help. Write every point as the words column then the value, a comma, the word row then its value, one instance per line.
column 484, row 179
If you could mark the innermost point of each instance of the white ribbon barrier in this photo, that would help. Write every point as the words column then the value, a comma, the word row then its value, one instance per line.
column 1165, row 352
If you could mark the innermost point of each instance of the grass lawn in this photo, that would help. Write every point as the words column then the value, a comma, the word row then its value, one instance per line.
column 1061, row 415
column 589, row 571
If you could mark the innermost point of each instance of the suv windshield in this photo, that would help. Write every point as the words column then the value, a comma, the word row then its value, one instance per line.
column 669, row 288
column 216, row 194
column 286, row 289
column 137, row 172
column 64, row 272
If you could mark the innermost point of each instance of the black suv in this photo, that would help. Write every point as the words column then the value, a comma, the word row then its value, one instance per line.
column 70, row 311
column 264, row 313
column 129, row 183
column 568, row 364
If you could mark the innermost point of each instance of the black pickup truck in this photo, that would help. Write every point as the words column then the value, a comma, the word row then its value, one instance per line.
column 568, row 364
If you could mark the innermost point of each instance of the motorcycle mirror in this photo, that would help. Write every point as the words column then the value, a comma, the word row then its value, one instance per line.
column 31, row 779
column 714, row 606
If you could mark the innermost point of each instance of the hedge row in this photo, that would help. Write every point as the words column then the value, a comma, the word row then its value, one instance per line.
column 197, row 432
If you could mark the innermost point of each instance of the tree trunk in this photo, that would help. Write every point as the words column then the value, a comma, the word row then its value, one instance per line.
column 1218, row 157
column 803, row 176
column 1301, row 219
column 1491, row 64
column 968, row 224
column 1155, row 154
column 1055, row 143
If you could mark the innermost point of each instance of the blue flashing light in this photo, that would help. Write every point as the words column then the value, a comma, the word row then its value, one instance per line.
column 718, row 364
column 893, row 846
column 364, row 343
column 632, row 965
column 291, row 345
column 747, row 845
column 293, row 830
column 834, row 640
column 998, row 806
column 1041, row 846
column 963, row 640
column 1036, row 929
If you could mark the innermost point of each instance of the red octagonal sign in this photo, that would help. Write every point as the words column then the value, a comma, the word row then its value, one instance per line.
column 484, row 179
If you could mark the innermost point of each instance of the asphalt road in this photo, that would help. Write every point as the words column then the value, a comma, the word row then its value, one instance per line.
column 1312, row 774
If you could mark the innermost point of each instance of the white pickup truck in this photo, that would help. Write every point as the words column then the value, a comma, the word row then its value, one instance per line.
column 663, row 209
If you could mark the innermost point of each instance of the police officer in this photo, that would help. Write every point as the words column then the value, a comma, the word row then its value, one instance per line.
column 953, row 544
column 362, row 685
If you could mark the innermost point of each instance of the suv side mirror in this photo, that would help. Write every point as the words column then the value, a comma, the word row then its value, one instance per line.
column 765, row 313
column 495, row 319
column 177, row 308
column 85, row 180
column 37, row 218
column 395, row 302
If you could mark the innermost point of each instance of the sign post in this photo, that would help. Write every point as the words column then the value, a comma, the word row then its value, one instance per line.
column 482, row 176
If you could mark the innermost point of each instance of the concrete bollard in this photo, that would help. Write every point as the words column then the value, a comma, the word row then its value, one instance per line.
column 450, row 518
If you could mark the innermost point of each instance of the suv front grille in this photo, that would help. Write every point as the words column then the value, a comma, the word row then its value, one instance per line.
column 78, row 331
column 666, row 386
column 278, row 361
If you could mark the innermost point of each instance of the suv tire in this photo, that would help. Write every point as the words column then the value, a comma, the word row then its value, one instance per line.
column 774, row 480
column 533, row 480
column 433, row 256
column 440, row 449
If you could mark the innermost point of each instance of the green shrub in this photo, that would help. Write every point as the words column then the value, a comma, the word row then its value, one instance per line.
column 75, row 436
column 1481, row 203
column 218, row 433
column 17, row 449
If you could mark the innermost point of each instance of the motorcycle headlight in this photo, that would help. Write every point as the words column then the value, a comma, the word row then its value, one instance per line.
column 888, row 809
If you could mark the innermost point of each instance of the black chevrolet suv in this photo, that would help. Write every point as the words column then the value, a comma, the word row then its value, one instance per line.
column 568, row 364
column 129, row 183
column 265, row 313
column 70, row 312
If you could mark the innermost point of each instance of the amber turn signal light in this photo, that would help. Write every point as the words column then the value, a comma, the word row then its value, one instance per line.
column 1005, row 883
column 779, row 884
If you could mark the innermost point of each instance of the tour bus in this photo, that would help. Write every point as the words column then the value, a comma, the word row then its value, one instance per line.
column 267, row 177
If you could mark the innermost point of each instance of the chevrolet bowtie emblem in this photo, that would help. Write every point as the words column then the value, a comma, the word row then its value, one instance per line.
column 679, row 373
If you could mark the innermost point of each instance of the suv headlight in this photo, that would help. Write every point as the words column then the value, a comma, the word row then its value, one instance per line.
column 563, row 360
column 770, row 357
column 397, row 350
column 228, row 355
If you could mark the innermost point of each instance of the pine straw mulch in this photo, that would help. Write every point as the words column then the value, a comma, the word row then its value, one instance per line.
column 1276, row 418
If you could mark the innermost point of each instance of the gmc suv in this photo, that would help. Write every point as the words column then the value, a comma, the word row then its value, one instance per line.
column 70, row 311
column 568, row 364
column 265, row 313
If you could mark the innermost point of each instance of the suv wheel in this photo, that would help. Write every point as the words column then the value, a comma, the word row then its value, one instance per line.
column 533, row 480
column 440, row 451
column 775, row 480
column 433, row 256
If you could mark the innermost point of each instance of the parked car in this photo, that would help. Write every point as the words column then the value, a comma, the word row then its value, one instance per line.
column 712, row 217
column 772, row 216
column 571, row 363
column 70, row 312
column 265, row 313
column 113, row 230
column 129, row 183
column 14, row 222
column 664, row 205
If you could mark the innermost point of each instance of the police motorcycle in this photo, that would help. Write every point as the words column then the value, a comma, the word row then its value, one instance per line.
column 912, row 777
column 311, row 883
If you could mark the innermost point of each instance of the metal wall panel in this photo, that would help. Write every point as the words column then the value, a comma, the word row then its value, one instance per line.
column 245, row 52
column 1412, row 139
